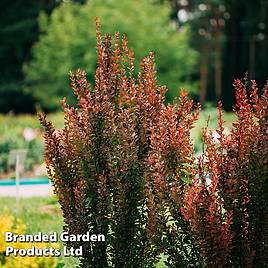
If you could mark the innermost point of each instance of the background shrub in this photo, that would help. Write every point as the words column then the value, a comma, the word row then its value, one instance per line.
column 67, row 36
column 13, row 136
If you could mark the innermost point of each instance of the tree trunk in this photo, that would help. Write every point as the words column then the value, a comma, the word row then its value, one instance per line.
column 204, row 73
column 218, row 65
column 252, row 54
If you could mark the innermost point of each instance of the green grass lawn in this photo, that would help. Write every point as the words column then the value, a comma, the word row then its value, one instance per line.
column 39, row 214
column 208, row 117
column 42, row 214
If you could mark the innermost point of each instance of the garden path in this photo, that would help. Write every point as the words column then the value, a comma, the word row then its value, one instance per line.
column 27, row 190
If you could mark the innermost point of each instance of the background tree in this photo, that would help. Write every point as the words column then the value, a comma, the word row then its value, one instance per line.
column 232, row 39
column 68, row 35
column 18, row 31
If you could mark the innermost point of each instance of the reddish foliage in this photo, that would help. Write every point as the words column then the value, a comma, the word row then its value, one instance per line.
column 124, row 166
column 228, row 216
column 118, row 140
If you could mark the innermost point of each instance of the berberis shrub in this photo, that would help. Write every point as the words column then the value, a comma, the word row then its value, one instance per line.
column 103, row 163
column 228, row 214
column 124, row 166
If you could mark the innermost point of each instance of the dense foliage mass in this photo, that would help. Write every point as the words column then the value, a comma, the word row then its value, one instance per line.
column 9, row 224
column 99, row 163
column 228, row 212
column 228, row 36
column 68, row 36
column 18, row 32
column 124, row 166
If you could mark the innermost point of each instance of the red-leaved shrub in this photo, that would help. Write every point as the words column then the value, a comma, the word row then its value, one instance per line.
column 110, row 161
column 228, row 213
column 123, row 166
column 170, row 164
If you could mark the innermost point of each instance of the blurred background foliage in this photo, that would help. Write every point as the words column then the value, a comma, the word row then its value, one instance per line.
column 18, row 32
column 67, row 42
column 23, row 132
column 199, row 45
column 231, row 37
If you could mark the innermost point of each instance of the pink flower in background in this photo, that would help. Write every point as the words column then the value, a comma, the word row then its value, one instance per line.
column 29, row 134
column 216, row 136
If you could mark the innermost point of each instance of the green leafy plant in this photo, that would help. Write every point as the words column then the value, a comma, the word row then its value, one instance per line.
column 10, row 141
column 67, row 34
column 9, row 224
